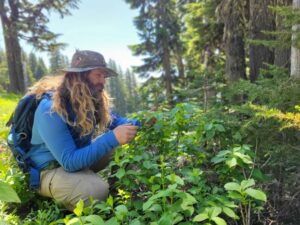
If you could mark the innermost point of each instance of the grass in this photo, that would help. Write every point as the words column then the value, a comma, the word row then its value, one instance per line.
column 8, row 103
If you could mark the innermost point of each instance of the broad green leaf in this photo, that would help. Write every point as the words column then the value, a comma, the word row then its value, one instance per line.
column 177, row 218
column 208, row 126
column 245, row 158
column 257, row 194
column 147, row 204
column 235, row 195
column 166, row 219
column 210, row 134
column 214, row 211
column 187, row 202
column 247, row 183
column 74, row 221
column 232, row 186
column 219, row 221
column 153, row 223
column 217, row 159
column 162, row 193
column 94, row 220
column 231, row 162
column 79, row 208
column 135, row 222
column 200, row 217
column 112, row 221
column 187, row 198
column 175, row 179
column 246, row 147
column 156, row 208
column 223, row 153
column 121, row 211
column 7, row 193
column 120, row 173
column 229, row 212
column 137, row 158
column 155, row 187
column 220, row 127
column 148, row 164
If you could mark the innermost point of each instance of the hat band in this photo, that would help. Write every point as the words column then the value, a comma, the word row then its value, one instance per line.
column 87, row 66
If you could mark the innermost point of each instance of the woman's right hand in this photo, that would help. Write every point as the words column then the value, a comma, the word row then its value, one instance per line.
column 125, row 133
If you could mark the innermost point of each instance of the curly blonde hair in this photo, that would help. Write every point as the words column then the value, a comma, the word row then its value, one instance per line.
column 73, row 88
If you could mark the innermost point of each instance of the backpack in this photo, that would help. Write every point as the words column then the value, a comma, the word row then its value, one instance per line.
column 19, row 137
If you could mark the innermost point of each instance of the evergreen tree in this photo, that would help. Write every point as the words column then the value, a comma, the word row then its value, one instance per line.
column 203, row 36
column 22, row 19
column 33, row 63
column 282, row 52
column 261, row 20
column 129, row 87
column 157, row 25
column 116, row 88
column 57, row 61
column 41, row 69
column 4, row 82
column 132, row 95
column 232, row 14
column 136, row 97
column 28, row 73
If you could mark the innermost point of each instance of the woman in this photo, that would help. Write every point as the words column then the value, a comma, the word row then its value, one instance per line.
column 73, row 133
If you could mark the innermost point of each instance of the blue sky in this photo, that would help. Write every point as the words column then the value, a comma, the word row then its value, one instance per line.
column 100, row 25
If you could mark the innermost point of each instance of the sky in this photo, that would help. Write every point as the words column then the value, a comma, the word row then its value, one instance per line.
column 99, row 25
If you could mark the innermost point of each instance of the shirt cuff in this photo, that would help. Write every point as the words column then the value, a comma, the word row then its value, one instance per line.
column 111, row 139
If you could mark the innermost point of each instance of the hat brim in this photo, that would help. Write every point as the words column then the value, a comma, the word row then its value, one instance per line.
column 109, row 72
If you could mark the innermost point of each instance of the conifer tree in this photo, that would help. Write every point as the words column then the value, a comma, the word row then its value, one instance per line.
column 32, row 63
column 57, row 61
column 4, row 82
column 27, row 20
column 232, row 12
column 203, row 34
column 41, row 69
column 116, row 88
column 261, row 20
column 157, row 26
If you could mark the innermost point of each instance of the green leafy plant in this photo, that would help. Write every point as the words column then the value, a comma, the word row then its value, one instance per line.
column 245, row 195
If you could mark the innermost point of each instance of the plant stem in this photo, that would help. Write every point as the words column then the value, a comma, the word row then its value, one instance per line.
column 242, row 214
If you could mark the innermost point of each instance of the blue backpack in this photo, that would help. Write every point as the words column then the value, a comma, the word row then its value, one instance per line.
column 19, row 137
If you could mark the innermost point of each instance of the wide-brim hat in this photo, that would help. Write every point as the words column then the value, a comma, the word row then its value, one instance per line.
column 86, row 60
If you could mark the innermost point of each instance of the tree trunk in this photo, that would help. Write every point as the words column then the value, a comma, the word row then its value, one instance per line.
column 231, row 13
column 13, row 49
column 180, row 67
column 167, row 68
column 164, row 35
column 282, row 56
column 295, row 55
column 261, row 19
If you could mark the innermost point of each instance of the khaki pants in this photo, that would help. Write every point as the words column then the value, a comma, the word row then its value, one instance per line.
column 68, row 188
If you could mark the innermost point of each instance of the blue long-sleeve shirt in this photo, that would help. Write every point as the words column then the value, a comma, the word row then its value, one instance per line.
column 52, row 140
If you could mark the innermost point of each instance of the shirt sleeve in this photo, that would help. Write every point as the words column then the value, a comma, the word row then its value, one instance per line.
column 58, row 139
column 118, row 120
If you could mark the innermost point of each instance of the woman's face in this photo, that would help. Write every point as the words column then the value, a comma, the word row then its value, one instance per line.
column 97, row 80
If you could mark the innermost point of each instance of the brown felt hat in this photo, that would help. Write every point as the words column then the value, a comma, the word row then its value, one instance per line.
column 86, row 60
